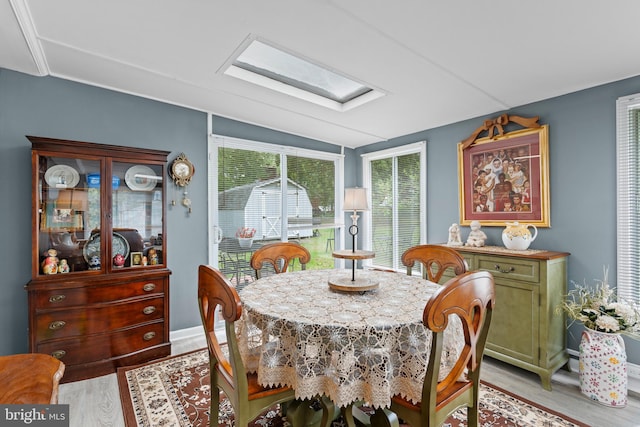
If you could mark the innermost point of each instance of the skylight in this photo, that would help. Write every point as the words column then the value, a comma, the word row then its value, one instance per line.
column 275, row 69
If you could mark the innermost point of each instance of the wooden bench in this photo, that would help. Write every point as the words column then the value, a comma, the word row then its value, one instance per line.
column 30, row 379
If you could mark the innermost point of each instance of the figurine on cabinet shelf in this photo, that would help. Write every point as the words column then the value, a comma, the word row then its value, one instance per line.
column 118, row 261
column 50, row 263
column 63, row 267
column 94, row 263
column 454, row 235
column 153, row 256
column 476, row 237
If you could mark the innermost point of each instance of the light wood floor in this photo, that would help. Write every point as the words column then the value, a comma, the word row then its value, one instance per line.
column 96, row 402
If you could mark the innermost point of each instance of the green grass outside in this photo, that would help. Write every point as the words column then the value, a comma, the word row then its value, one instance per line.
column 320, row 251
column 317, row 246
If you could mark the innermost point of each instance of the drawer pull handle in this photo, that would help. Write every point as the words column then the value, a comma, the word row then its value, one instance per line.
column 59, row 354
column 58, row 324
column 510, row 270
column 149, row 309
column 149, row 336
column 149, row 287
column 57, row 298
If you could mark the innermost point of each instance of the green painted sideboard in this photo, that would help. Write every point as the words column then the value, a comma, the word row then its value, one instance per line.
column 526, row 331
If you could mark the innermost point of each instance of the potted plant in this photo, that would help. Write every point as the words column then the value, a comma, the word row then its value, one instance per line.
column 602, row 365
column 245, row 236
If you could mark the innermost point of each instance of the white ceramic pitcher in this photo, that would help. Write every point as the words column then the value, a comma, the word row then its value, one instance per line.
column 517, row 236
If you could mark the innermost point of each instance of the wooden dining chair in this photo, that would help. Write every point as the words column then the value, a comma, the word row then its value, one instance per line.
column 227, row 370
column 470, row 297
column 30, row 378
column 435, row 259
column 228, row 373
column 278, row 256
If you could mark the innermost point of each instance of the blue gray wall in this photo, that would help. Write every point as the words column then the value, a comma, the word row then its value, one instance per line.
column 582, row 161
column 57, row 108
column 582, row 178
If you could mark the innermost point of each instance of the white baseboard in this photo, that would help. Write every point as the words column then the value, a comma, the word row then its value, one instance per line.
column 182, row 334
column 194, row 332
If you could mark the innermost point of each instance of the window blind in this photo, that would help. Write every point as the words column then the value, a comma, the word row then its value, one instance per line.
column 283, row 193
column 628, row 198
column 397, row 203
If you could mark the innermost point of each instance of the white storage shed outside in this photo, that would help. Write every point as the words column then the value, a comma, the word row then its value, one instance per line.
column 257, row 205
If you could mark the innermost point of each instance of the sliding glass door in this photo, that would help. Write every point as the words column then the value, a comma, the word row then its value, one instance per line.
column 266, row 193
column 397, row 179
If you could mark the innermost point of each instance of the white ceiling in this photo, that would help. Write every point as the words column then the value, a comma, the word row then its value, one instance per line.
column 438, row 62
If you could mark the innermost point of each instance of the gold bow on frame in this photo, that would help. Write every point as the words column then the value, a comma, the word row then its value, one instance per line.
column 497, row 125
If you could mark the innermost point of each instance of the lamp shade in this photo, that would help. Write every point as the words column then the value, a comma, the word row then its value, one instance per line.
column 355, row 199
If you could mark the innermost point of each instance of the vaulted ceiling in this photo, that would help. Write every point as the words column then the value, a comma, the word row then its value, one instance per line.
column 437, row 62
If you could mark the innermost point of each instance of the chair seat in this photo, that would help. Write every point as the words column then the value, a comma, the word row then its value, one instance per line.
column 441, row 400
column 459, row 388
column 257, row 391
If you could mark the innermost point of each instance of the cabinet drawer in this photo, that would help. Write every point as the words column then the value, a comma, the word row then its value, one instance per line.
column 104, row 346
column 511, row 268
column 97, row 319
column 56, row 298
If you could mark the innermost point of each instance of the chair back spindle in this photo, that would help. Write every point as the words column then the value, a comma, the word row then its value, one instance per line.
column 278, row 256
column 435, row 260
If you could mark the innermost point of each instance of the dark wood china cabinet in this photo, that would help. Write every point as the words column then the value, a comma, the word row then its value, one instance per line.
column 99, row 292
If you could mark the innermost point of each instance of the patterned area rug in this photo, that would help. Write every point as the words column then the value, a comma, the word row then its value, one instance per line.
column 175, row 392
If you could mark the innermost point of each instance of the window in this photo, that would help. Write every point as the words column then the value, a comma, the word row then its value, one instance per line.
column 628, row 167
column 278, row 193
column 265, row 65
column 397, row 179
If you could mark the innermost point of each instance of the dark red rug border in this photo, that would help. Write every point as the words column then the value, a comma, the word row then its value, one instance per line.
column 130, row 419
column 537, row 405
column 123, row 386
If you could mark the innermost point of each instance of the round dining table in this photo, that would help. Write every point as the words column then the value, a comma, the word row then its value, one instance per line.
column 351, row 346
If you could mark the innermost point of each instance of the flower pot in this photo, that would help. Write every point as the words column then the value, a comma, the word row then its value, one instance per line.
column 245, row 242
column 603, row 368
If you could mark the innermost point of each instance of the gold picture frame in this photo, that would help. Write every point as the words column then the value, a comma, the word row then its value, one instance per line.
column 521, row 194
column 136, row 259
column 56, row 219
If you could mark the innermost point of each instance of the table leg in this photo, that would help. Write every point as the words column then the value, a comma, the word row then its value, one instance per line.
column 347, row 414
column 384, row 418
column 329, row 411
column 381, row 417
column 301, row 413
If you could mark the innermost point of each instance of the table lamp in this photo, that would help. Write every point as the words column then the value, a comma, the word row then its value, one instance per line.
column 355, row 199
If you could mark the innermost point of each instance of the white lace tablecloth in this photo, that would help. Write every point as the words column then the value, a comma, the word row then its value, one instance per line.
column 349, row 346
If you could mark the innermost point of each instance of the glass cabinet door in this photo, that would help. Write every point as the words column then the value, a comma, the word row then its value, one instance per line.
column 68, row 211
column 136, row 215
column 74, row 215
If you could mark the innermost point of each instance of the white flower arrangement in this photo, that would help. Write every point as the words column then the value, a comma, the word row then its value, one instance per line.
column 599, row 309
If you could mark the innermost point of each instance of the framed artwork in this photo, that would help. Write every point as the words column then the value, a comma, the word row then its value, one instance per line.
column 54, row 218
column 505, row 178
column 136, row 258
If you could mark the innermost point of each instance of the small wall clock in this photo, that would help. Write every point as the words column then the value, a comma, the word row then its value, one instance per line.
column 181, row 172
